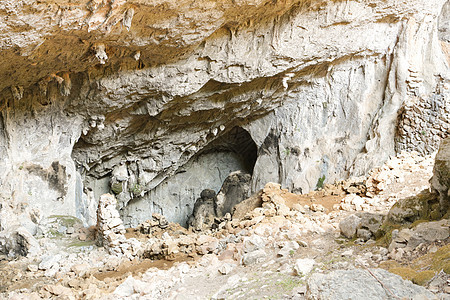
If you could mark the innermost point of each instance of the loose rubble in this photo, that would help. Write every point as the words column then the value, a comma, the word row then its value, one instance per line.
column 273, row 243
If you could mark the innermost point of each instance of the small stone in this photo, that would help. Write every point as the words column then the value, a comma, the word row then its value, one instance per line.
column 227, row 254
column 299, row 208
column 289, row 249
column 253, row 242
column 302, row 243
column 226, row 268
column 59, row 290
column 49, row 262
column 364, row 234
column 32, row 268
column 282, row 210
column 347, row 253
column 82, row 236
column 317, row 208
column 447, row 289
column 80, row 269
column 254, row 257
column 125, row 289
column 304, row 266
column 62, row 229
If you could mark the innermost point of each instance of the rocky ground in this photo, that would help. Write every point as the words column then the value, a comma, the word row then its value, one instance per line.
column 339, row 242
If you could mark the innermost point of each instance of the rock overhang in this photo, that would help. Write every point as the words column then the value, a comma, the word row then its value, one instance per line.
column 138, row 80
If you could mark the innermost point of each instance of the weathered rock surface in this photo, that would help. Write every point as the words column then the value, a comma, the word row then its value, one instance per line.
column 304, row 266
column 424, row 206
column 423, row 233
column 118, row 96
column 360, row 284
column 349, row 225
column 441, row 176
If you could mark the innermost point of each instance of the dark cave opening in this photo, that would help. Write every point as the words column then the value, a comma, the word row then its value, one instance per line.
column 233, row 150
column 238, row 141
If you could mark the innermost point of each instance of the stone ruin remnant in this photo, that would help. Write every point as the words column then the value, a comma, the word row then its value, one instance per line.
column 111, row 231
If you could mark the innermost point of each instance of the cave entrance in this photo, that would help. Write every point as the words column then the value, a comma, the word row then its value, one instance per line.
column 175, row 197
column 239, row 142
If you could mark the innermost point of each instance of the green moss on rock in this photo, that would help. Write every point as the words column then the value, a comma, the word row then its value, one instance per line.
column 441, row 259
column 420, row 207
column 422, row 278
column 116, row 187
column 68, row 221
column 404, row 272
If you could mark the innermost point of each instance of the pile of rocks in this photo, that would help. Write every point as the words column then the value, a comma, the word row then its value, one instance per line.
column 229, row 238
column 153, row 226
column 353, row 185
column 111, row 232
column 395, row 169
column 169, row 246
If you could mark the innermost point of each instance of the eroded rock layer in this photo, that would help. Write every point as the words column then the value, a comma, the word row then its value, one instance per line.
column 126, row 96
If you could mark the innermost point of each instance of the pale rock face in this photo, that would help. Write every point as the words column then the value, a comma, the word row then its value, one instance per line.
column 440, row 181
column 359, row 283
column 95, row 93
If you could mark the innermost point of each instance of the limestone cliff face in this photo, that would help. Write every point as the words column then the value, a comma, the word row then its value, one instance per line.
column 157, row 100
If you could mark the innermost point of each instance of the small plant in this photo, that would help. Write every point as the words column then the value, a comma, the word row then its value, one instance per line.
column 291, row 252
column 289, row 283
column 21, row 167
column 423, row 132
column 287, row 152
column 136, row 189
column 320, row 182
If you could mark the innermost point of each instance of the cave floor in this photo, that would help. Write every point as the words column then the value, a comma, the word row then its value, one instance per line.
column 265, row 260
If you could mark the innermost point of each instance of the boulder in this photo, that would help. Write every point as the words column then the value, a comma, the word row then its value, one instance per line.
column 427, row 232
column 363, row 225
column 211, row 207
column 288, row 249
column 18, row 241
column 370, row 225
column 50, row 262
column 424, row 206
column 246, row 206
column 349, row 225
column 253, row 243
column 361, row 284
column 254, row 257
column 204, row 213
column 226, row 268
column 440, row 182
column 235, row 188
